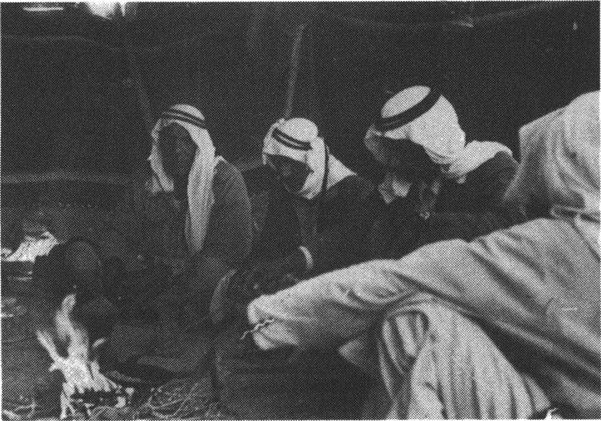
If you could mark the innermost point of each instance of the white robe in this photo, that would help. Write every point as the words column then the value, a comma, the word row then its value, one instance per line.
column 537, row 283
column 534, row 286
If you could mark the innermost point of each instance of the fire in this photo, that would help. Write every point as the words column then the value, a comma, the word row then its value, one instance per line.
column 106, row 9
column 81, row 374
column 31, row 247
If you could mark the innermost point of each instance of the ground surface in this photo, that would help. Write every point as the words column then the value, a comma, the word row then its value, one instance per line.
column 249, row 384
column 304, row 385
column 24, row 362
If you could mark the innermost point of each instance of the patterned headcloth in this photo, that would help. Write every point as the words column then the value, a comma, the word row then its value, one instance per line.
column 423, row 116
column 297, row 139
column 200, row 178
column 560, row 165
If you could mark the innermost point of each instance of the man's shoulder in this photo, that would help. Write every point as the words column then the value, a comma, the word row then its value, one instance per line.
column 501, row 163
column 536, row 234
column 356, row 186
column 226, row 172
column 228, row 181
column 501, row 159
column 526, row 238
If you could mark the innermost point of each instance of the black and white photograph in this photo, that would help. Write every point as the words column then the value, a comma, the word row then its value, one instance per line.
column 300, row 210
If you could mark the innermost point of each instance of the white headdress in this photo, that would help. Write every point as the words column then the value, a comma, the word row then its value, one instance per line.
column 200, row 178
column 423, row 116
column 560, row 165
column 298, row 139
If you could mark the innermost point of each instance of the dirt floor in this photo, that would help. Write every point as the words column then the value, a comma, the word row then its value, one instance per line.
column 25, row 363
column 235, row 383
column 222, row 379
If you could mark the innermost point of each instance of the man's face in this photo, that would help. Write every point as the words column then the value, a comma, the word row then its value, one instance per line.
column 409, row 160
column 177, row 149
column 292, row 173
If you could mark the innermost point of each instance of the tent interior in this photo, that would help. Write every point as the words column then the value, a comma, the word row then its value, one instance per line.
column 80, row 93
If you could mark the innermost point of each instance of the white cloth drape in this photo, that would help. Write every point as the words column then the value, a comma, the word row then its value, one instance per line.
column 200, row 178
column 560, row 165
column 314, row 157
column 536, row 284
column 435, row 363
column 438, row 132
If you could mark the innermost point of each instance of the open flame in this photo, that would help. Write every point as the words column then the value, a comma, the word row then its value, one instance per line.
column 81, row 374
column 107, row 9
column 32, row 247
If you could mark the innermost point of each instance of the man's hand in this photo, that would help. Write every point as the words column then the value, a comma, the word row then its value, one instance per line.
column 235, row 290
column 269, row 277
column 265, row 276
column 418, row 202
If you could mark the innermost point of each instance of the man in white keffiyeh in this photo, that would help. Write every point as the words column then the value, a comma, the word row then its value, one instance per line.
column 319, row 187
column 505, row 326
column 312, row 191
column 298, row 140
column 192, row 212
column 215, row 208
column 171, row 142
column 437, row 186
column 183, row 223
column 421, row 116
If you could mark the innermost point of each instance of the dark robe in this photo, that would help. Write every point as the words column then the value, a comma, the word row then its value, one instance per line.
column 459, row 210
column 291, row 221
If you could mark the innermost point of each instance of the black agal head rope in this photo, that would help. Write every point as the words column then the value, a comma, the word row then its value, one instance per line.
column 384, row 124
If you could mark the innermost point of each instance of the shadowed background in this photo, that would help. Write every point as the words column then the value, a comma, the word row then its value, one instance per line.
column 69, row 99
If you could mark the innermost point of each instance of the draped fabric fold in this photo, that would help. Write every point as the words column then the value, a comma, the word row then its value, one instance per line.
column 437, row 130
column 535, row 286
column 304, row 132
column 200, row 178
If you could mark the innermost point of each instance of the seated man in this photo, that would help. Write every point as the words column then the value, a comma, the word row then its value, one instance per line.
column 192, row 212
column 202, row 197
column 189, row 210
column 419, row 322
column 315, row 191
column 437, row 187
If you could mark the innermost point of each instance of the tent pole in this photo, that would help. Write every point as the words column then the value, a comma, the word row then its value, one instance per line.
column 294, row 67
column 132, row 64
column 143, row 98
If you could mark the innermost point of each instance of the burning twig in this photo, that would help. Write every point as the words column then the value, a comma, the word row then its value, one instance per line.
column 183, row 399
column 85, row 386
column 33, row 247
column 20, row 412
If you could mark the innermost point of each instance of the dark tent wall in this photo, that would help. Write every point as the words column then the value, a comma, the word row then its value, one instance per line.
column 65, row 101
column 66, row 107
column 500, row 71
column 69, row 97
